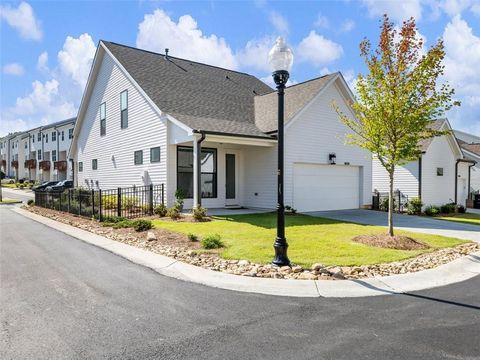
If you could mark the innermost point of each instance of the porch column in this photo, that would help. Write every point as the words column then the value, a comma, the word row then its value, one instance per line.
column 197, row 169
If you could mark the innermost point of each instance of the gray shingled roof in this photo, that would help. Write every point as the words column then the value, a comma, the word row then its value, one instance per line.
column 472, row 147
column 296, row 97
column 203, row 97
column 434, row 125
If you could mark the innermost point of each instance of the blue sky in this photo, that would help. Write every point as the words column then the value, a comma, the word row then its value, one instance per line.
column 47, row 46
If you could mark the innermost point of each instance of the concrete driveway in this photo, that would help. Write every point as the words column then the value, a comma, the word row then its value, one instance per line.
column 405, row 222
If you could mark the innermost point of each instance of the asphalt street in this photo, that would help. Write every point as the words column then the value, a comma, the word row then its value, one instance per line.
column 22, row 195
column 64, row 299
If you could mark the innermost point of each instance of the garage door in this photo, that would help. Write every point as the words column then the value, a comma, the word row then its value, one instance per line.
column 325, row 187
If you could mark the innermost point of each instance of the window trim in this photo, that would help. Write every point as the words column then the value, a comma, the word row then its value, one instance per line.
column 440, row 171
column 215, row 150
column 54, row 152
column 95, row 161
column 39, row 154
column 122, row 110
column 70, row 133
column 135, row 157
column 54, row 138
column 159, row 154
column 80, row 166
column 103, row 122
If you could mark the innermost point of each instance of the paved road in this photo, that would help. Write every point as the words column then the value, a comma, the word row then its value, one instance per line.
column 64, row 299
column 405, row 222
column 22, row 195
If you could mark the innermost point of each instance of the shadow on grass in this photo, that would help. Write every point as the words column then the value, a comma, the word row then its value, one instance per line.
column 269, row 220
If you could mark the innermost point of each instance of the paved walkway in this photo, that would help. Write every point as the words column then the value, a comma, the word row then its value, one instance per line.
column 405, row 222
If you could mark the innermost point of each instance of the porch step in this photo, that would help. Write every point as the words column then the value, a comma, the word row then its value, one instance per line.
column 234, row 207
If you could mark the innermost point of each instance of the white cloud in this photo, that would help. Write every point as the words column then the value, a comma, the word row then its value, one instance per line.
column 13, row 69
column 279, row 22
column 462, row 49
column 318, row 50
column 76, row 57
column 42, row 62
column 158, row 31
column 397, row 10
column 22, row 19
column 255, row 54
column 322, row 22
column 456, row 7
column 347, row 26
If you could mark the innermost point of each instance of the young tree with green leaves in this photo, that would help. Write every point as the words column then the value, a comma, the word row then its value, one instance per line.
column 397, row 98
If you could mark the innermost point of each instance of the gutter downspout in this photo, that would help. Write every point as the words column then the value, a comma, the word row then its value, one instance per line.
column 456, row 180
column 199, row 167
column 420, row 178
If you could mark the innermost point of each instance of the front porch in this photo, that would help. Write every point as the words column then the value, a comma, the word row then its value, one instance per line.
column 231, row 175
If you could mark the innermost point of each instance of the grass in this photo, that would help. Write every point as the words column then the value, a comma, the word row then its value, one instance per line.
column 10, row 186
column 464, row 218
column 9, row 201
column 311, row 239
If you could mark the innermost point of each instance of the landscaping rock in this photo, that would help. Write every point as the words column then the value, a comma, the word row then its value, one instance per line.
column 297, row 269
column 317, row 267
column 243, row 263
column 307, row 276
column 151, row 236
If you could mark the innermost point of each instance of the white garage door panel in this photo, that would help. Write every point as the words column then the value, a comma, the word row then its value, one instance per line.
column 325, row 187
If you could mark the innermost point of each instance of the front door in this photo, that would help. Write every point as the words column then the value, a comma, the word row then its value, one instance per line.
column 231, row 189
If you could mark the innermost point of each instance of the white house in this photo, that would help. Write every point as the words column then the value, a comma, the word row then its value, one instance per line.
column 39, row 154
column 439, row 176
column 470, row 145
column 147, row 118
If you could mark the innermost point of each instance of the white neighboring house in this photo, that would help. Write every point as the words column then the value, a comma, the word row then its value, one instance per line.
column 39, row 154
column 470, row 145
column 438, row 177
column 211, row 132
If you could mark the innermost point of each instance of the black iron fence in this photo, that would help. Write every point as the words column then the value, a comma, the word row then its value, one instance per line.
column 132, row 202
column 380, row 201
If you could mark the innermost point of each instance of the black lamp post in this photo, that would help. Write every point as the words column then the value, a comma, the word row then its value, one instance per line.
column 280, row 59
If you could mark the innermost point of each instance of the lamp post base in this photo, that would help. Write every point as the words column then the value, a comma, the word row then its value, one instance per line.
column 281, row 258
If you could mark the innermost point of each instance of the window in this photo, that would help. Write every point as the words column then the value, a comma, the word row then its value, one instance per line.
column 138, row 157
column 33, row 138
column 155, row 154
column 103, row 119
column 39, row 154
column 39, row 136
column 70, row 133
column 46, row 137
column 208, row 180
column 80, row 166
column 54, row 136
column 54, row 155
column 439, row 171
column 94, row 164
column 124, row 109
column 26, row 144
column 63, row 135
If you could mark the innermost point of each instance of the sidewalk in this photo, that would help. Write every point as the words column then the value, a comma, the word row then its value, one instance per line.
column 456, row 271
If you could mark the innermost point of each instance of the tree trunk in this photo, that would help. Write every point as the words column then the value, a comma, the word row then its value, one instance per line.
column 390, row 205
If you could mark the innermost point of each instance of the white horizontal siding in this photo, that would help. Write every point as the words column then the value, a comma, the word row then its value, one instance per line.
column 405, row 178
column 115, row 151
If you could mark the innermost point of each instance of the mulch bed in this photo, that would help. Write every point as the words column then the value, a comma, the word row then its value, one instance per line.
column 386, row 241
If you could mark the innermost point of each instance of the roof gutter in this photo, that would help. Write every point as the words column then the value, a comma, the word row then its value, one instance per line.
column 206, row 132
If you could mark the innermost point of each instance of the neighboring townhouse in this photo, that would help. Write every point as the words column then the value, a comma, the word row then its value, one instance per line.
column 439, row 176
column 470, row 145
column 211, row 132
column 39, row 154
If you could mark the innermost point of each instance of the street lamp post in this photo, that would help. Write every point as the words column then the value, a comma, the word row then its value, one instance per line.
column 280, row 59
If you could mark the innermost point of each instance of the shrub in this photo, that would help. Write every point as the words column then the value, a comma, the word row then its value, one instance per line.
column 109, row 202
column 192, row 237
column 173, row 213
column 179, row 197
column 114, row 219
column 128, row 203
column 160, row 210
column 122, row 224
column 414, row 206
column 21, row 186
column 448, row 208
column 461, row 209
column 31, row 202
column 212, row 241
column 142, row 224
column 290, row 210
column 432, row 210
column 199, row 213
column 17, row 185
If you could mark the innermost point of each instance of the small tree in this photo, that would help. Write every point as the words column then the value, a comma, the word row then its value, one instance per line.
column 397, row 99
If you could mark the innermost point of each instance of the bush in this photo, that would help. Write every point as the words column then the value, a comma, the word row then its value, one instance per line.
column 109, row 202
column 192, row 237
column 414, row 206
column 122, row 224
column 16, row 184
column 432, row 210
column 199, row 213
column 31, row 202
column 290, row 210
column 21, row 186
column 461, row 209
column 160, row 210
column 212, row 241
column 114, row 219
column 128, row 203
column 142, row 225
column 173, row 213
column 448, row 208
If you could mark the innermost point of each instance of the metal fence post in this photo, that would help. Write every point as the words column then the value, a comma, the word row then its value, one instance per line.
column 151, row 199
column 93, row 202
column 100, row 216
column 399, row 201
column 119, row 202
column 60, row 201
column 163, row 195
column 79, row 202
column 69, row 197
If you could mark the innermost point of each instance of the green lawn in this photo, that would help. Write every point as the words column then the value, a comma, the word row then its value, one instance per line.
column 311, row 239
column 465, row 218
column 11, row 186
column 9, row 201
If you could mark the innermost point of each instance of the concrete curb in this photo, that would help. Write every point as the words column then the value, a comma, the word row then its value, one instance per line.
column 453, row 272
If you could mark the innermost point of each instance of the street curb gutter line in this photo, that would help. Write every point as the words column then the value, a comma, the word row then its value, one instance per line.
column 458, row 270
